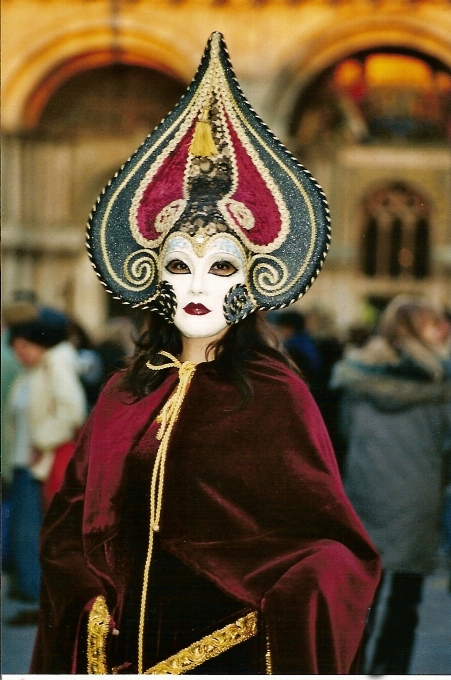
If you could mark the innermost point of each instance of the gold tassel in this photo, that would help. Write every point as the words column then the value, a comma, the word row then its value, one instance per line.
column 202, row 143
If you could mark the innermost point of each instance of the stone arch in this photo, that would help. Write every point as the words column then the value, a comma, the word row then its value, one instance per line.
column 59, row 169
column 28, row 88
column 347, row 38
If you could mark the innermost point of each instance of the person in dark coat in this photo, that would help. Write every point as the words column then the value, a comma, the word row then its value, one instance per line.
column 397, row 391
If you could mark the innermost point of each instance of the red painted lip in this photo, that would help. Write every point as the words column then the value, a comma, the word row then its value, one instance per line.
column 196, row 310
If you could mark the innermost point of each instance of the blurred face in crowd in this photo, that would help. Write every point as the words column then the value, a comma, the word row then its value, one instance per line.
column 444, row 331
column 201, row 283
column 28, row 353
column 431, row 329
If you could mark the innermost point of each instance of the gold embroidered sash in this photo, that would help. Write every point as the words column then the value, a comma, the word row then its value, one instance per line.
column 186, row 660
column 208, row 647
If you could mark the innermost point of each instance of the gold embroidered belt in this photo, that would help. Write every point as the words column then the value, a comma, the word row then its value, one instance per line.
column 208, row 647
column 186, row 660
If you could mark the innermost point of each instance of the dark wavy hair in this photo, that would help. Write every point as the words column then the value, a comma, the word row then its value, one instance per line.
column 242, row 341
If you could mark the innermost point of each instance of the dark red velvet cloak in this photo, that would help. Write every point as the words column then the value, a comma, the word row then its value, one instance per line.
column 252, row 500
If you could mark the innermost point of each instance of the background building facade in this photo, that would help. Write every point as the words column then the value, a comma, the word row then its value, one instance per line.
column 359, row 90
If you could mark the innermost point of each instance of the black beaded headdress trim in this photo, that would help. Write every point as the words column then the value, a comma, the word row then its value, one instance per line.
column 212, row 166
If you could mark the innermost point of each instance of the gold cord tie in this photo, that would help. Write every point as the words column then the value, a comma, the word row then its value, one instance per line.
column 167, row 419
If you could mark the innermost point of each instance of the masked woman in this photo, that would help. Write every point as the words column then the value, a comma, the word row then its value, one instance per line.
column 202, row 526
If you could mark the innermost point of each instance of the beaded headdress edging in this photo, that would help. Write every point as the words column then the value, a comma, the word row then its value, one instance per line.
column 211, row 167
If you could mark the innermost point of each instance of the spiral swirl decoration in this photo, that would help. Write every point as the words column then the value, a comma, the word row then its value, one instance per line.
column 269, row 275
column 237, row 304
column 140, row 268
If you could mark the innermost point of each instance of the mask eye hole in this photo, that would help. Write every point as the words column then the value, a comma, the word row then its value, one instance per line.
column 177, row 267
column 223, row 268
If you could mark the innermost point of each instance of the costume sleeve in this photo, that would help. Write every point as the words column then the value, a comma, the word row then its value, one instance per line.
column 315, row 612
column 69, row 586
column 312, row 614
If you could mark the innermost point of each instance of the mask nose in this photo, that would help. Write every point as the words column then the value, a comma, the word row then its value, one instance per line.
column 198, row 281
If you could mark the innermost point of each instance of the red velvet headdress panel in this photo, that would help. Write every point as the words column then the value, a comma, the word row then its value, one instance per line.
column 211, row 167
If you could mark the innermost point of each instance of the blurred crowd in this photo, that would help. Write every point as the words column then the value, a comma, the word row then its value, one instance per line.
column 385, row 396
column 52, row 374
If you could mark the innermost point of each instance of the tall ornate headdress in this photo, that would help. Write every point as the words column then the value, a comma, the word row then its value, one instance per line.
column 212, row 167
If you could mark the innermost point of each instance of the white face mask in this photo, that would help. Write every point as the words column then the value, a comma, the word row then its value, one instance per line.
column 201, row 283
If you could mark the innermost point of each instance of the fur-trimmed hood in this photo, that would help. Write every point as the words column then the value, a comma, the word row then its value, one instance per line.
column 394, row 379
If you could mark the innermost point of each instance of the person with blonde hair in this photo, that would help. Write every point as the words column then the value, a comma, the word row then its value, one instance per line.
column 397, row 417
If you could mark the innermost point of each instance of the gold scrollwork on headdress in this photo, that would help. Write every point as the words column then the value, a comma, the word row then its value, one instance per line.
column 140, row 268
column 167, row 217
column 239, row 212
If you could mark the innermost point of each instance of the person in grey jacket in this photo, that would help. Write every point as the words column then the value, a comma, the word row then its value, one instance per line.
column 396, row 398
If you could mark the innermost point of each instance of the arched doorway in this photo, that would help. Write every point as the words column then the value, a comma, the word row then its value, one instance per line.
column 113, row 100
column 380, row 96
column 374, row 129
column 54, row 172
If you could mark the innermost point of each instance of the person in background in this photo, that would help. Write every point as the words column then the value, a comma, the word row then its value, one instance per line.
column 45, row 409
column 116, row 345
column 321, row 324
column 98, row 360
column 90, row 364
column 398, row 393
column 315, row 356
column 300, row 346
column 357, row 335
column 10, row 368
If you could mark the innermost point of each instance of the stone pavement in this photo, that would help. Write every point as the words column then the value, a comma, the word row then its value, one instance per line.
column 432, row 655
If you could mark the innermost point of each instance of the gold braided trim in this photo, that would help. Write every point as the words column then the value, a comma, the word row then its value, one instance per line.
column 98, row 626
column 208, row 647
column 268, row 660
